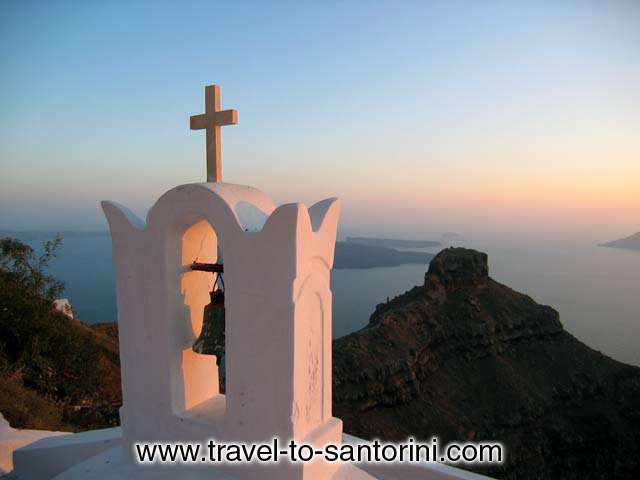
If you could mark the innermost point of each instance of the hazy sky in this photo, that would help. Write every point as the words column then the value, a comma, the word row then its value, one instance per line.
column 423, row 117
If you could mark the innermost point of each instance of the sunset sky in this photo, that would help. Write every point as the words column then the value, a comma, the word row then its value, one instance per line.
column 422, row 117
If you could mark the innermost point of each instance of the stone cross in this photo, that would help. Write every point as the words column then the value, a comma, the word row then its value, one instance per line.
column 211, row 121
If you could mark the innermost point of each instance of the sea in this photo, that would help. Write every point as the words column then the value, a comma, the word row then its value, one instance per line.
column 595, row 289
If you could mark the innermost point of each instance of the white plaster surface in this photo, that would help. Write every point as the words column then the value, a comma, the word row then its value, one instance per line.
column 63, row 305
column 111, row 465
column 12, row 439
column 108, row 462
column 278, row 319
column 54, row 454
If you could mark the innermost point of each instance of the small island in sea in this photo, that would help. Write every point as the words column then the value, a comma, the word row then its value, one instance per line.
column 631, row 242
column 359, row 255
column 370, row 252
column 393, row 242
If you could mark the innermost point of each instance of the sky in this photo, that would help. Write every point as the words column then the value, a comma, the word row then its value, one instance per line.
column 423, row 117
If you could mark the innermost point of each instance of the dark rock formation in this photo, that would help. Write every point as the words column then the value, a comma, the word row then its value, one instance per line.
column 463, row 357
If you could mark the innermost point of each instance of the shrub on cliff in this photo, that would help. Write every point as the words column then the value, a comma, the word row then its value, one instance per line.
column 43, row 352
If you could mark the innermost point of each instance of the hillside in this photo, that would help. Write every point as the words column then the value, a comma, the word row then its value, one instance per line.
column 61, row 389
column 55, row 373
column 464, row 357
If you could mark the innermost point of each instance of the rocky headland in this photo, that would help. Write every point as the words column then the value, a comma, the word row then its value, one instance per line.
column 463, row 357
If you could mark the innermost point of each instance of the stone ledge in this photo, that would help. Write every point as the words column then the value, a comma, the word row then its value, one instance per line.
column 50, row 456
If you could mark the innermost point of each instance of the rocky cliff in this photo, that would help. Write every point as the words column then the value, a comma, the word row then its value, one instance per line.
column 464, row 357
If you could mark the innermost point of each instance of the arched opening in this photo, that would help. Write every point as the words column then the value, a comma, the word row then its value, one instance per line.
column 202, row 292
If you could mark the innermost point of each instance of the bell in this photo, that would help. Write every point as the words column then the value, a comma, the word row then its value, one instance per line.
column 217, row 299
column 211, row 338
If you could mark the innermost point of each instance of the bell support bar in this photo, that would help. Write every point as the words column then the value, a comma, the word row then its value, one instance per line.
column 208, row 267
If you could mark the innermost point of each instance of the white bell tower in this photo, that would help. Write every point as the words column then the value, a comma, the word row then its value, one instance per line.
column 278, row 316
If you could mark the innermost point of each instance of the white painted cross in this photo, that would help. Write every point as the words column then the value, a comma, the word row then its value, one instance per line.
column 211, row 121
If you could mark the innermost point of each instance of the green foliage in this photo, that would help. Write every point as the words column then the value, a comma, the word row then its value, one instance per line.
column 21, row 264
column 37, row 343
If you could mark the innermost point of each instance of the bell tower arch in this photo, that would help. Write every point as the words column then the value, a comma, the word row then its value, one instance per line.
column 278, row 319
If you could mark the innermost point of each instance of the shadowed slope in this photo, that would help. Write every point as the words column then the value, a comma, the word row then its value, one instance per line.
column 464, row 357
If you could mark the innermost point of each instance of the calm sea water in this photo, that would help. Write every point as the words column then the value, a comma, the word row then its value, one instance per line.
column 595, row 289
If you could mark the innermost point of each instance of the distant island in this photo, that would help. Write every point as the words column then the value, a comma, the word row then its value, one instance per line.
column 359, row 255
column 450, row 235
column 632, row 242
column 393, row 242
